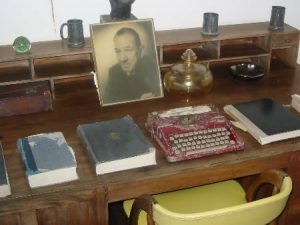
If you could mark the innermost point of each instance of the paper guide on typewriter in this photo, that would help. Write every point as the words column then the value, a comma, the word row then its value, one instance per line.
column 192, row 132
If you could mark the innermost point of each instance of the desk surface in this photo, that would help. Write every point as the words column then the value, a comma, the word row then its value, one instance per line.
column 77, row 102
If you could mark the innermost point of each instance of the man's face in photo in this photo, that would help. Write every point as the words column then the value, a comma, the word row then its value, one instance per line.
column 127, row 51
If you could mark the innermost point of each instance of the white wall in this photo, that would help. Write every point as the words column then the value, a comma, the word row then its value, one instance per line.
column 40, row 20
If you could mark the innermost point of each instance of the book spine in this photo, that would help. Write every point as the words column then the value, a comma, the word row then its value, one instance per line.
column 88, row 148
column 27, row 155
column 3, row 179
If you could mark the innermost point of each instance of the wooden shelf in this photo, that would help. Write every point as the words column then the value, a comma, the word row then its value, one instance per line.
column 230, row 51
column 63, row 66
column 14, row 71
column 241, row 42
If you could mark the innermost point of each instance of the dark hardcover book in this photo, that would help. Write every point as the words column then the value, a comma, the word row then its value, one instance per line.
column 4, row 182
column 116, row 145
column 48, row 159
column 265, row 119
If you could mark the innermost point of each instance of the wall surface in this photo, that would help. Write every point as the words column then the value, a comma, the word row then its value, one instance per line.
column 40, row 20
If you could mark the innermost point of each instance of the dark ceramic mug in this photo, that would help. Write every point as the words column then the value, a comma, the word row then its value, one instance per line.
column 75, row 36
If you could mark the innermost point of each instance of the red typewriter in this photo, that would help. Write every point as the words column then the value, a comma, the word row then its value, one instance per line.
column 193, row 132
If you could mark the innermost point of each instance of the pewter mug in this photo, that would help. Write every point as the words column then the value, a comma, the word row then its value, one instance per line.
column 277, row 18
column 210, row 23
column 75, row 36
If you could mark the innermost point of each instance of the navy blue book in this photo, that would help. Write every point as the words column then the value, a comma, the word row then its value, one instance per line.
column 4, row 182
column 265, row 119
column 48, row 159
column 116, row 145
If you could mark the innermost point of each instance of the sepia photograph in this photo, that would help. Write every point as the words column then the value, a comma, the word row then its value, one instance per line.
column 126, row 61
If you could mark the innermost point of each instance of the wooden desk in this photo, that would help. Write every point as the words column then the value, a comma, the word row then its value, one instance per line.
column 86, row 201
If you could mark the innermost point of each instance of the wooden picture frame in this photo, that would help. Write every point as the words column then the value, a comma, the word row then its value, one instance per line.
column 126, row 61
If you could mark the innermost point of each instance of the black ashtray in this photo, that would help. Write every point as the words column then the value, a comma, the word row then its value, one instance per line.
column 247, row 71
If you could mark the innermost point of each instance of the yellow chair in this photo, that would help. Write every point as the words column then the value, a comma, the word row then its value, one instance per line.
column 223, row 203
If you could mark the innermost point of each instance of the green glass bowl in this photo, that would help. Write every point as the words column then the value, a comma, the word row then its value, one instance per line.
column 22, row 45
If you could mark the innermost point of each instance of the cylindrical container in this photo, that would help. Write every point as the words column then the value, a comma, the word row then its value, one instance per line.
column 277, row 18
column 210, row 23
column 75, row 36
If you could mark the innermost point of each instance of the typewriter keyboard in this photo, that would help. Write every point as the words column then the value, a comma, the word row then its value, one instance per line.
column 201, row 141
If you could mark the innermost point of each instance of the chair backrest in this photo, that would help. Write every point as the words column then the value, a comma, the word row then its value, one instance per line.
column 259, row 212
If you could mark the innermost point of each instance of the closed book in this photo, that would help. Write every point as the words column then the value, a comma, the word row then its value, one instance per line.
column 48, row 159
column 24, row 98
column 116, row 145
column 4, row 182
column 265, row 119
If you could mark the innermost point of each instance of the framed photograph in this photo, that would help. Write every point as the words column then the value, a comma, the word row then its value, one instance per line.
column 126, row 61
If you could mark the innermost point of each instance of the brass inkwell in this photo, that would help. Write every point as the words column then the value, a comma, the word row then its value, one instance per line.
column 188, row 77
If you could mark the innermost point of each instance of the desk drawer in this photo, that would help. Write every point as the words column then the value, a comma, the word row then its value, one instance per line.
column 286, row 40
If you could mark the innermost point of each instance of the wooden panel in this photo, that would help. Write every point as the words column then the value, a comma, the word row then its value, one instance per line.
column 29, row 218
column 47, row 216
column 11, row 219
column 243, row 47
column 172, row 53
column 286, row 56
column 14, row 71
column 284, row 40
column 71, row 65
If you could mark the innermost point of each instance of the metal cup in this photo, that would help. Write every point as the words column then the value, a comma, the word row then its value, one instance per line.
column 277, row 18
column 210, row 23
column 75, row 36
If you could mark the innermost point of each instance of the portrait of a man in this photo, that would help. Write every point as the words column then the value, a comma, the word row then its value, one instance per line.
column 133, row 74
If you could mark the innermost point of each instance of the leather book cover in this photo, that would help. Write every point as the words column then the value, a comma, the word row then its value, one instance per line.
column 116, row 145
column 24, row 98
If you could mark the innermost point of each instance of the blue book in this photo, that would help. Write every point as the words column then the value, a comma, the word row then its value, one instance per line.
column 116, row 145
column 4, row 182
column 48, row 159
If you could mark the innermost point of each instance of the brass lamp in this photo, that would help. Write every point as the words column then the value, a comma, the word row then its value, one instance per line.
column 188, row 77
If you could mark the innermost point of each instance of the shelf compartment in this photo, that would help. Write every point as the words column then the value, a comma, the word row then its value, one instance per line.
column 13, row 71
column 223, row 66
column 284, row 40
column 286, row 56
column 244, row 47
column 63, row 66
column 204, row 51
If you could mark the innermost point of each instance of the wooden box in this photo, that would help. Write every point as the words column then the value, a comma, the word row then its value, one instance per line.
column 24, row 98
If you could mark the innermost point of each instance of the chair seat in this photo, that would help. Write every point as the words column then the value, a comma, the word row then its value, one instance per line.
column 197, row 199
